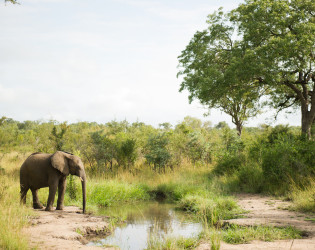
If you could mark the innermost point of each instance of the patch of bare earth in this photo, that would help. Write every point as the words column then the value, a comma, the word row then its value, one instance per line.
column 65, row 229
column 267, row 211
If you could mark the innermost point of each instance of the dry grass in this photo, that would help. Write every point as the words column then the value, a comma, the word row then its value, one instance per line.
column 13, row 216
column 304, row 198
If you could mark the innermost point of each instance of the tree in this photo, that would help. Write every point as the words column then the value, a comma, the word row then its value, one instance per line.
column 11, row 1
column 58, row 137
column 157, row 152
column 280, row 36
column 126, row 150
column 222, row 124
column 2, row 120
column 209, row 66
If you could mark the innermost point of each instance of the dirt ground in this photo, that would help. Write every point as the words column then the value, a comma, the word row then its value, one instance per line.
column 66, row 229
column 267, row 211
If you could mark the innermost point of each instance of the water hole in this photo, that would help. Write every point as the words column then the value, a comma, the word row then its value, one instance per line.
column 147, row 221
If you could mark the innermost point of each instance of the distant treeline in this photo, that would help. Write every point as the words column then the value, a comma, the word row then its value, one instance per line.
column 262, row 158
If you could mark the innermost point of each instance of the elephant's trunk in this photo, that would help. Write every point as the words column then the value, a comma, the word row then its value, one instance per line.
column 84, row 192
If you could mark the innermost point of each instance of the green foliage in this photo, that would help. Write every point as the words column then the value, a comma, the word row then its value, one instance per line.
column 279, row 132
column 280, row 53
column 250, row 178
column 197, row 148
column 103, row 149
column 11, row 1
column 58, row 137
column 157, row 152
column 212, row 70
column 72, row 188
column 261, row 48
column 288, row 161
column 229, row 163
column 126, row 148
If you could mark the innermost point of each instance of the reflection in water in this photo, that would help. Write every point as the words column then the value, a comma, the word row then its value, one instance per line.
column 147, row 220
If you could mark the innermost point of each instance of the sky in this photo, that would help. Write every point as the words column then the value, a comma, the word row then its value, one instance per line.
column 103, row 60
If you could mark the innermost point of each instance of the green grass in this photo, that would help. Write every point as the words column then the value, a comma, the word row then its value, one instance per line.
column 310, row 219
column 232, row 234
column 304, row 198
column 13, row 216
column 211, row 209
column 111, row 192
column 235, row 234
column 171, row 243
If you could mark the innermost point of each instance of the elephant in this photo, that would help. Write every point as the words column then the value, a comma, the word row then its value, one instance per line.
column 50, row 170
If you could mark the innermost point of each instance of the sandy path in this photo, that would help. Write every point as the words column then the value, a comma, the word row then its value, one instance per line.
column 266, row 211
column 64, row 229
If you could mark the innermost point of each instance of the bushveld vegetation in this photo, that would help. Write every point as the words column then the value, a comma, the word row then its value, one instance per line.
column 195, row 165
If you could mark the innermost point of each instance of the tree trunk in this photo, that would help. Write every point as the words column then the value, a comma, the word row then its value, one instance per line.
column 239, row 128
column 307, row 121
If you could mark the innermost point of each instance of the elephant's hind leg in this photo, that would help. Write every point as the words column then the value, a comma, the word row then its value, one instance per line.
column 23, row 191
column 24, row 188
column 36, row 202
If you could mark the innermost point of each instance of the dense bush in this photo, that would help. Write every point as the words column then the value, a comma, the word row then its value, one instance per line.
column 157, row 152
column 229, row 163
column 288, row 161
column 263, row 159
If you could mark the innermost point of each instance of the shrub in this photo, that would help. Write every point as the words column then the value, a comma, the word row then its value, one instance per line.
column 250, row 178
column 157, row 152
column 210, row 210
column 288, row 161
column 229, row 163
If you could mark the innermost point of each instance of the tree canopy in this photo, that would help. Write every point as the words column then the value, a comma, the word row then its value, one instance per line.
column 209, row 66
column 263, row 47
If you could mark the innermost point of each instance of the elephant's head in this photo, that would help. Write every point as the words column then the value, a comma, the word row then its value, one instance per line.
column 67, row 164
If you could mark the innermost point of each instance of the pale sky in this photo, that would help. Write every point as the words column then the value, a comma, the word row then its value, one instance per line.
column 102, row 60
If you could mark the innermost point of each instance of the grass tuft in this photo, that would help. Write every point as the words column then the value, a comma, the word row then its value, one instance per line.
column 236, row 234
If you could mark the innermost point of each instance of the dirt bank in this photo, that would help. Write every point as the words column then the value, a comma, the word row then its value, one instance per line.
column 65, row 229
column 267, row 211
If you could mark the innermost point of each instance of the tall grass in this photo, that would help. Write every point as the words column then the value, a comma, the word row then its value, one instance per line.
column 13, row 216
column 235, row 234
column 304, row 197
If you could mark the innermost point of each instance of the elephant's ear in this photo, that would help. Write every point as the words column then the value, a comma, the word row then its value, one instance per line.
column 60, row 162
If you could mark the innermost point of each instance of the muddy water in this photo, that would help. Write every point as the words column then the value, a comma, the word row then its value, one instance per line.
column 148, row 221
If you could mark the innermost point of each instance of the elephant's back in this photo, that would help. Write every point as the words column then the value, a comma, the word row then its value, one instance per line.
column 35, row 168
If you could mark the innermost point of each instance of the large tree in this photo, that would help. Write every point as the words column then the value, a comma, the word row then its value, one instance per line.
column 280, row 38
column 11, row 1
column 209, row 66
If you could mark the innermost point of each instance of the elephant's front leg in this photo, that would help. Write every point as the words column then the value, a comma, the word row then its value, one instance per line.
column 61, row 192
column 53, row 184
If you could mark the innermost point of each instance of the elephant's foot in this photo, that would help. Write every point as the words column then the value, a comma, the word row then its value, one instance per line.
column 59, row 207
column 38, row 206
column 49, row 208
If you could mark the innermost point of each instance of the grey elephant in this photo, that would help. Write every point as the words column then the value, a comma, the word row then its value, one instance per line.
column 50, row 170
